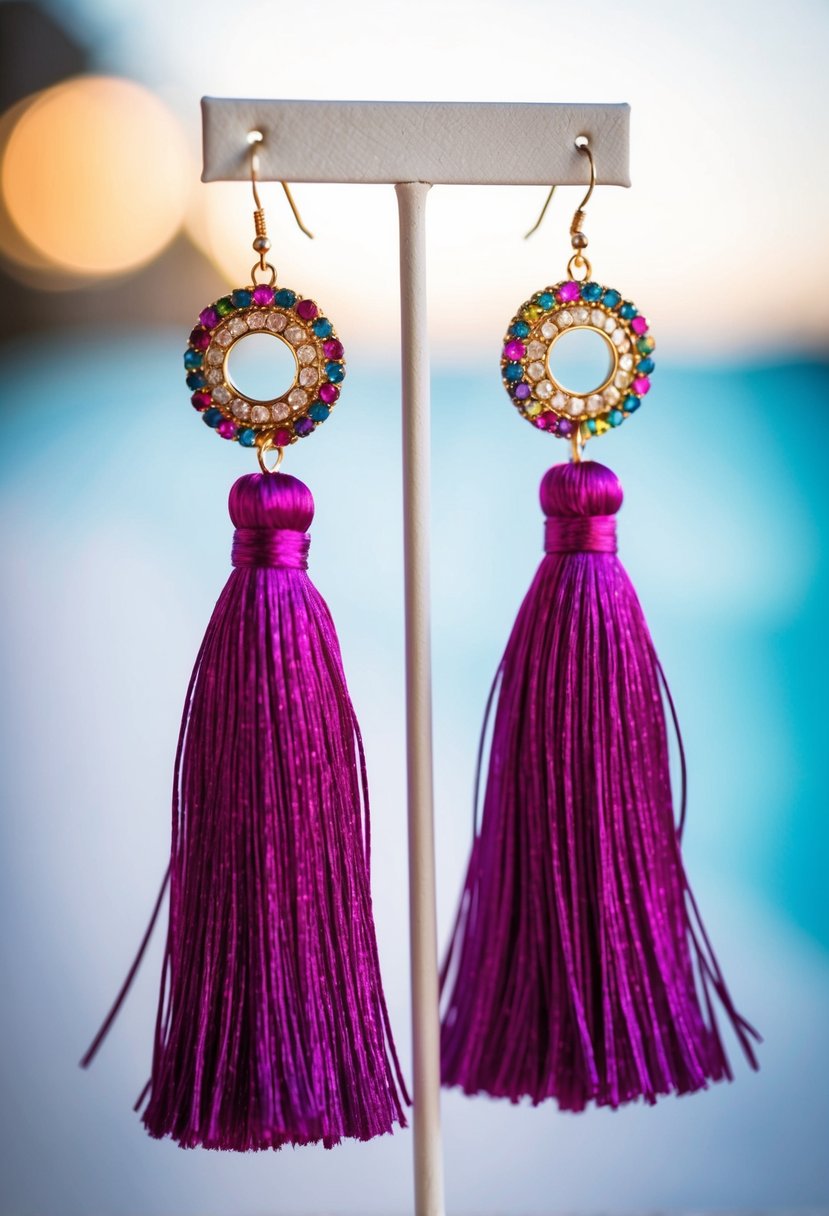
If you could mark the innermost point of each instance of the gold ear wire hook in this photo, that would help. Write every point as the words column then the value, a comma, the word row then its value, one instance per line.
column 578, row 218
column 261, row 241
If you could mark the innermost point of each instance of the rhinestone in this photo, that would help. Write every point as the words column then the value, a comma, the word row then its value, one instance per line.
column 307, row 377
column 276, row 322
column 256, row 320
column 260, row 413
column 214, row 375
column 224, row 337
column 297, row 397
column 215, row 354
column 594, row 403
column 626, row 363
column 237, row 326
column 280, row 411
column 611, row 395
column 598, row 318
column 536, row 350
column 564, row 319
column 295, row 334
column 548, row 330
column 559, row 401
column 621, row 380
column 535, row 371
column 544, row 390
column 609, row 325
column 624, row 345
column 576, row 406
column 306, row 354
column 580, row 316
column 221, row 393
column 241, row 410
column 618, row 337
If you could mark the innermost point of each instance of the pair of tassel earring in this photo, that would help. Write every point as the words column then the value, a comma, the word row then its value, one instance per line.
column 578, row 967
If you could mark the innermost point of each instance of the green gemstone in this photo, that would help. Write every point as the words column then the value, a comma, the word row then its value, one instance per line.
column 224, row 306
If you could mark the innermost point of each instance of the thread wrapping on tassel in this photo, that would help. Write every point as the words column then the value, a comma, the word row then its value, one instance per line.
column 578, row 967
column 272, row 1026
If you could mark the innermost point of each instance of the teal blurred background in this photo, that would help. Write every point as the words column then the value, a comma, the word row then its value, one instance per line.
column 116, row 544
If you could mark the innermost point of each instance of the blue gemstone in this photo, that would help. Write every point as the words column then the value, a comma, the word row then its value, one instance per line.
column 303, row 426
column 520, row 329
column 615, row 417
column 212, row 417
column 240, row 298
column 544, row 299
column 319, row 411
column 591, row 292
column 631, row 403
column 322, row 327
column 591, row 425
column 513, row 371
column 193, row 359
column 285, row 298
column 196, row 380
column 335, row 372
column 627, row 311
column 611, row 298
column 645, row 367
column 247, row 438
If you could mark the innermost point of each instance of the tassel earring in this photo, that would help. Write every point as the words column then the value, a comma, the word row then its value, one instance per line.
column 579, row 968
column 272, row 1026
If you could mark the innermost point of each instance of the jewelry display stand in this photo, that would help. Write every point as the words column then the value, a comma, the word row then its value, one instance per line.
column 413, row 145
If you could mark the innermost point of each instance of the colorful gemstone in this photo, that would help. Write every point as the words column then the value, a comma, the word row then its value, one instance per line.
column 601, row 426
column 611, row 298
column 303, row 426
column 262, row 295
column 645, row 367
column 532, row 312
column 306, row 309
column 615, row 417
column 335, row 372
column 631, row 403
column 521, row 391
column 319, row 412
column 282, row 438
column 213, row 417
column 209, row 317
column 227, row 429
column 514, row 349
column 193, row 359
column 322, row 327
column 513, row 372
column 247, row 438
column 591, row 292
column 568, row 292
column 627, row 311
column 641, row 385
column 240, row 297
column 224, row 306
column 285, row 298
column 546, row 421
column 195, row 380
column 545, row 299
column 201, row 400
column 645, row 345
column 565, row 427
column 532, row 408
column 520, row 329
column 200, row 338
column 639, row 325
column 331, row 349
column 589, row 426
column 329, row 393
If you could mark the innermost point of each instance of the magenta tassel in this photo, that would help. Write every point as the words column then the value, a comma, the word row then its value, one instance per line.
column 579, row 968
column 272, row 1026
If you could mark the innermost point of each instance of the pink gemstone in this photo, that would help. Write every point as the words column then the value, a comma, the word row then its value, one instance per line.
column 641, row 385
column 306, row 309
column 639, row 325
column 515, row 349
column 200, row 338
column 547, row 421
column 333, row 349
column 201, row 400
column 262, row 295
column 329, row 393
column 208, row 317
column 281, row 439
column 227, row 429
column 568, row 292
